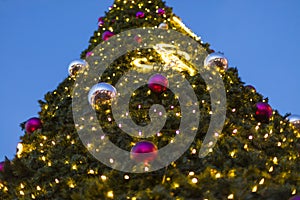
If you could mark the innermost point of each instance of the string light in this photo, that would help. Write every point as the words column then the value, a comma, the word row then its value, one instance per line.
column 254, row 189
column 194, row 180
column 110, row 194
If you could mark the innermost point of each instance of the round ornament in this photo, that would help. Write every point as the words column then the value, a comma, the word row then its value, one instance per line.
column 163, row 26
column 158, row 83
column 144, row 151
column 250, row 88
column 76, row 67
column 101, row 93
column 33, row 124
column 295, row 120
column 216, row 59
column 161, row 11
column 263, row 112
column 100, row 21
column 138, row 39
column 106, row 35
column 2, row 166
column 140, row 15
column 295, row 198
column 88, row 54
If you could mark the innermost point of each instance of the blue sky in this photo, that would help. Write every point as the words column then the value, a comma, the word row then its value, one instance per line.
column 39, row 38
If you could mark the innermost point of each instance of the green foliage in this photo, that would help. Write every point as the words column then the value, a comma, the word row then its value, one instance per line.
column 54, row 163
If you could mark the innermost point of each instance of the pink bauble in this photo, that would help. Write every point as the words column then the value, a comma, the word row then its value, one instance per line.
column 140, row 15
column 161, row 11
column 2, row 166
column 106, row 35
column 33, row 124
column 144, row 151
column 100, row 21
column 158, row 83
column 263, row 112
column 88, row 54
column 138, row 39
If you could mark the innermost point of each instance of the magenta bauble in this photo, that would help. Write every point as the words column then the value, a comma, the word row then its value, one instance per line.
column 144, row 151
column 140, row 15
column 2, row 166
column 161, row 11
column 88, row 54
column 138, row 39
column 295, row 198
column 263, row 112
column 158, row 83
column 33, row 124
column 100, row 21
column 106, row 35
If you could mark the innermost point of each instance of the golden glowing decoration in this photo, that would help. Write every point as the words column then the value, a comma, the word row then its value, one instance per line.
column 169, row 54
column 178, row 22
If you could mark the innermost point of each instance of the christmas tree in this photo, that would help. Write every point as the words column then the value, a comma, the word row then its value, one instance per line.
column 151, row 112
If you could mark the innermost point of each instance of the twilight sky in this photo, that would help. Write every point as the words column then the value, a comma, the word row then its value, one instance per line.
column 39, row 38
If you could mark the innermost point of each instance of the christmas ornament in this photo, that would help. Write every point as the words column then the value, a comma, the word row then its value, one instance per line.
column 138, row 39
column 33, row 124
column 216, row 59
column 101, row 93
column 140, row 15
column 263, row 112
column 295, row 120
column 163, row 26
column 161, row 11
column 295, row 198
column 2, row 166
column 251, row 88
column 144, row 151
column 106, row 35
column 158, row 83
column 100, row 21
column 88, row 54
column 77, row 66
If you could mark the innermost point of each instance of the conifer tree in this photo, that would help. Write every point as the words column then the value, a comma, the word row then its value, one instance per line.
column 256, row 155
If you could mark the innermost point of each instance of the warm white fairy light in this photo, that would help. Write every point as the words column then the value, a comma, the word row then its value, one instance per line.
column 110, row 194
column 191, row 173
column 194, row 180
column 271, row 169
column 20, row 149
column 103, row 178
column 254, row 189
column 231, row 196
column 262, row 181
